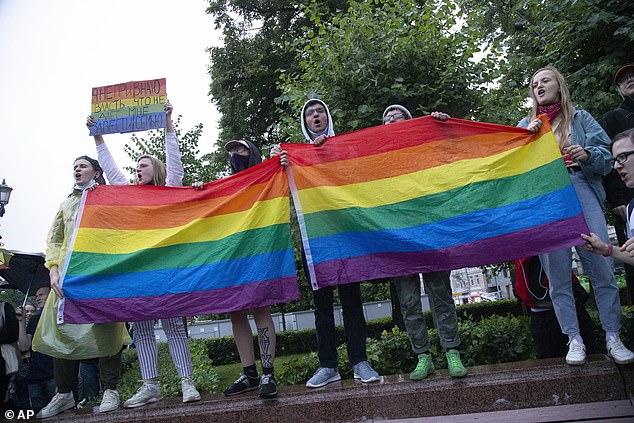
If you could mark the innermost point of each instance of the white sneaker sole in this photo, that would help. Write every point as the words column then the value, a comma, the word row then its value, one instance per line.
column 576, row 362
column 150, row 401
column 100, row 409
column 326, row 382
column 48, row 415
column 622, row 362
column 191, row 399
column 370, row 380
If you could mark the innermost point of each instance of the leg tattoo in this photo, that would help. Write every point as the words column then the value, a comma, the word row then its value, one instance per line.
column 265, row 344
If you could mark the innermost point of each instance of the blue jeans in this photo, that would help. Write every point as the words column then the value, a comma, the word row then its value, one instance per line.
column 438, row 286
column 41, row 392
column 353, row 324
column 599, row 269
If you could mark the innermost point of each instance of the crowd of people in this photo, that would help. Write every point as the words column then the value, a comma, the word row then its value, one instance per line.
column 590, row 150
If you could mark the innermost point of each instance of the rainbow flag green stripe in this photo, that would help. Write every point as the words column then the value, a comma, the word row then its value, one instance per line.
column 455, row 202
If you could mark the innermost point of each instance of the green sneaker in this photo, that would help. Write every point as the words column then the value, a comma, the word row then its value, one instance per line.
column 424, row 368
column 456, row 369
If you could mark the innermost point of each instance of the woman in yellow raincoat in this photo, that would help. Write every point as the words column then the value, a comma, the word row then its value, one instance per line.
column 68, row 343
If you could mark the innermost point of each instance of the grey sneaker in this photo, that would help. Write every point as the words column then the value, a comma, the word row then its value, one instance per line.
column 59, row 403
column 109, row 401
column 190, row 393
column 146, row 394
column 322, row 377
column 363, row 371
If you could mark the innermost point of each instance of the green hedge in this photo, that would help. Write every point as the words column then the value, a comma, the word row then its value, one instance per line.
column 223, row 350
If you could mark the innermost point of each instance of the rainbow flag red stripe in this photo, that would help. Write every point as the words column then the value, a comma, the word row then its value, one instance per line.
column 426, row 195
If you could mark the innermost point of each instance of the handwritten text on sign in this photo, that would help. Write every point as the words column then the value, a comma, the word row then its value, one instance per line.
column 129, row 106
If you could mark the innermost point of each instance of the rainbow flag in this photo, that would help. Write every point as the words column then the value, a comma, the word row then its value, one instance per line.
column 426, row 195
column 128, row 107
column 145, row 252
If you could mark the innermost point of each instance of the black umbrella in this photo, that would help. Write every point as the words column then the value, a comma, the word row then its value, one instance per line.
column 26, row 272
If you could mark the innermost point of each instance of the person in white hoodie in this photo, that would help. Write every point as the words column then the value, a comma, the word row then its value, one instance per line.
column 317, row 126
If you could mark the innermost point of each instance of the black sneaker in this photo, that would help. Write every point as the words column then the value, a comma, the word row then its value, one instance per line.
column 268, row 387
column 243, row 384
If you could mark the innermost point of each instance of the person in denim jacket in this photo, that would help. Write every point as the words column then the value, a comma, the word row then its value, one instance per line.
column 585, row 148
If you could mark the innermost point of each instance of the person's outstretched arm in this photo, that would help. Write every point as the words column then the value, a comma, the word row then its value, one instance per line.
column 173, row 163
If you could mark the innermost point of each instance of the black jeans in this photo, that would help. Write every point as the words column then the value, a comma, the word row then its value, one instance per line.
column 66, row 372
column 550, row 342
column 353, row 324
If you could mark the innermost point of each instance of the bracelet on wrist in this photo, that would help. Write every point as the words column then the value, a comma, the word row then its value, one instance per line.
column 609, row 252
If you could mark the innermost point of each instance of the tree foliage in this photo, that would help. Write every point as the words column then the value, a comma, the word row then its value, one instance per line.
column 470, row 58
column 245, row 70
column 586, row 39
column 417, row 54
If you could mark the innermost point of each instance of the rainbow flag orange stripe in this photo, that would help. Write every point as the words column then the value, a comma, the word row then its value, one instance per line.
column 426, row 195
column 153, row 252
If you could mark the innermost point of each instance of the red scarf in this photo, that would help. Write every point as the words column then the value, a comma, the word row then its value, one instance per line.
column 550, row 110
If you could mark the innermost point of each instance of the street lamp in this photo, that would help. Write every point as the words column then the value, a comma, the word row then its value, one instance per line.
column 5, row 193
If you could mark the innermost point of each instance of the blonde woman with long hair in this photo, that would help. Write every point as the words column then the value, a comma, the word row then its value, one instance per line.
column 585, row 148
column 152, row 171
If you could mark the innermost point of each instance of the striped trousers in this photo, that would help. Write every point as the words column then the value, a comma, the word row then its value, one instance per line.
column 147, row 352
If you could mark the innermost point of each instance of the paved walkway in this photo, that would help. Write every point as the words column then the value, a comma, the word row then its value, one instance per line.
column 607, row 411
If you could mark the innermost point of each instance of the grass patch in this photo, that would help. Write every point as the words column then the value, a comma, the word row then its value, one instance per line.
column 228, row 373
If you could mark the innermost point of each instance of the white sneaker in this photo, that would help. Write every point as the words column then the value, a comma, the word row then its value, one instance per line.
column 190, row 393
column 146, row 394
column 109, row 401
column 618, row 351
column 576, row 353
column 58, row 404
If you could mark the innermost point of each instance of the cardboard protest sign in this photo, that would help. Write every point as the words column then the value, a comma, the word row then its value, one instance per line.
column 129, row 106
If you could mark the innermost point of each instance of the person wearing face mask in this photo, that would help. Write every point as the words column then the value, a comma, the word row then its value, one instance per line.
column 438, row 286
column 152, row 171
column 67, row 343
column 242, row 155
column 585, row 148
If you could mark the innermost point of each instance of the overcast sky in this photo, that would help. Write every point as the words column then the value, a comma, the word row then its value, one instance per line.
column 51, row 54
